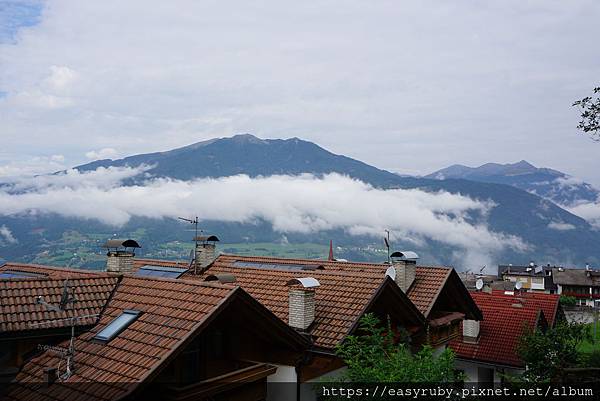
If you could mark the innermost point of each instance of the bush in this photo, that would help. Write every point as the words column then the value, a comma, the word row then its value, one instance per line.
column 566, row 300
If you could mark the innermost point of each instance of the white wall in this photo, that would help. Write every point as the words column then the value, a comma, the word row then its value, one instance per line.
column 282, row 384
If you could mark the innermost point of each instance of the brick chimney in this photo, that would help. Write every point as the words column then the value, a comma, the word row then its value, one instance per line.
column 119, row 258
column 405, row 264
column 206, row 250
column 302, row 302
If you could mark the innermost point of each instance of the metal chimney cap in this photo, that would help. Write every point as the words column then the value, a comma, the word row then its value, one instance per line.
column 225, row 278
column 306, row 282
column 121, row 243
column 405, row 255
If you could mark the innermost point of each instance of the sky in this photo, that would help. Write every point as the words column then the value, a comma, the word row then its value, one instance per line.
column 411, row 87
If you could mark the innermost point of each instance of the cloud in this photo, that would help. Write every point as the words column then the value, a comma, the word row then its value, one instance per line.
column 292, row 204
column 589, row 211
column 410, row 87
column 7, row 235
column 560, row 226
column 31, row 166
column 104, row 153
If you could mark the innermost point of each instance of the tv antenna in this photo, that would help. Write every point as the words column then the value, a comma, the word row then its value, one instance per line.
column 386, row 241
column 194, row 259
column 479, row 284
column 67, row 354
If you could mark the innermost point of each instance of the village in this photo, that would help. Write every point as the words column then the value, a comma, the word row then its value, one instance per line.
column 229, row 327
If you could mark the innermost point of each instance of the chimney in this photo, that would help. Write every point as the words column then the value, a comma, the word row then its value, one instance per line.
column 471, row 331
column 302, row 302
column 206, row 250
column 50, row 376
column 119, row 258
column 405, row 264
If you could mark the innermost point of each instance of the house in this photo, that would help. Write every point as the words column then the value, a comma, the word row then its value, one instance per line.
column 487, row 350
column 26, row 323
column 430, row 311
column 532, row 277
column 583, row 284
column 159, row 338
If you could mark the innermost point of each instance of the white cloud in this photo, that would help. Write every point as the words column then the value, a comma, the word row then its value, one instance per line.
column 104, row 153
column 31, row 166
column 301, row 204
column 7, row 235
column 589, row 211
column 560, row 226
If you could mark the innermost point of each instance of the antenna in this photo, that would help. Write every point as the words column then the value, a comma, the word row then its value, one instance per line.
column 479, row 284
column 68, row 354
column 386, row 241
column 195, row 223
column 482, row 269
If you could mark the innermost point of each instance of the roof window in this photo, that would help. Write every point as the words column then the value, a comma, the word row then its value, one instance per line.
column 118, row 324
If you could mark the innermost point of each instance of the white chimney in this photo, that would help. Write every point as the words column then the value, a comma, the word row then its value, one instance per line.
column 302, row 302
column 405, row 264
column 470, row 330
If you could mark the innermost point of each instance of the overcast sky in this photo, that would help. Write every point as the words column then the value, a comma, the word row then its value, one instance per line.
column 407, row 86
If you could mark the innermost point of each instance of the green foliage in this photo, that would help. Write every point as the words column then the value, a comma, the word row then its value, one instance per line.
column 590, row 114
column 374, row 356
column 567, row 300
column 546, row 353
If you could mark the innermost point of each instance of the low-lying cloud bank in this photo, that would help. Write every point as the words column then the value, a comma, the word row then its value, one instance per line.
column 301, row 204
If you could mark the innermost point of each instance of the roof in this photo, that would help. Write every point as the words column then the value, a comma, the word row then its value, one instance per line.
column 341, row 299
column 576, row 277
column 430, row 282
column 171, row 310
column 505, row 318
column 121, row 243
column 50, row 271
column 172, row 313
column 19, row 311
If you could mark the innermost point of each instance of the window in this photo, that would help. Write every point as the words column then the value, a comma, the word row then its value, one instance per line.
column 160, row 271
column 118, row 324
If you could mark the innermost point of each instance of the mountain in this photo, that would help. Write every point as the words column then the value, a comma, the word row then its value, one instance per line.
column 556, row 236
column 550, row 184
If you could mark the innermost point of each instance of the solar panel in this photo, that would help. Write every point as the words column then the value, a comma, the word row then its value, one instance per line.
column 277, row 266
column 16, row 274
column 160, row 271
column 118, row 324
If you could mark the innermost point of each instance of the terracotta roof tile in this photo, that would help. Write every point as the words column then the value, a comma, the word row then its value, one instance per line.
column 20, row 312
column 340, row 300
column 139, row 349
column 504, row 323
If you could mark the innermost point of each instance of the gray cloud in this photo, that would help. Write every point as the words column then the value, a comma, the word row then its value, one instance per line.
column 407, row 86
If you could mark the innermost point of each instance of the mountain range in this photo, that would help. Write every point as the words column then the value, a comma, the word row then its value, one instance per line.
column 554, row 185
column 526, row 201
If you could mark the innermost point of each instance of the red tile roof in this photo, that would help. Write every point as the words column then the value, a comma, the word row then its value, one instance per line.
column 341, row 299
column 171, row 310
column 50, row 271
column 504, row 320
column 20, row 312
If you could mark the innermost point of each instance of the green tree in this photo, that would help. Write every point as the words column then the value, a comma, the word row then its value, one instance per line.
column 546, row 353
column 567, row 300
column 590, row 114
column 374, row 356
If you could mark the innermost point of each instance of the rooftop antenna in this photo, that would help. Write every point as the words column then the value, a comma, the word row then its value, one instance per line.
column 386, row 241
column 331, row 258
column 479, row 284
column 195, row 223
column 67, row 354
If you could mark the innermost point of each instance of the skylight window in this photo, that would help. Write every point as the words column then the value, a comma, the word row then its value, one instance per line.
column 17, row 274
column 118, row 324
column 160, row 271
